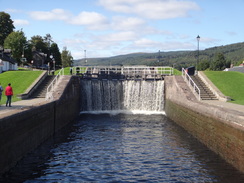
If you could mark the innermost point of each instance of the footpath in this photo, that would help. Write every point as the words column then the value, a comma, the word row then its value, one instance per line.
column 19, row 106
column 227, row 106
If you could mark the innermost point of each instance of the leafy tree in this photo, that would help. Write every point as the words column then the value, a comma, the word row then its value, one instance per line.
column 6, row 26
column 16, row 41
column 54, row 50
column 48, row 46
column 48, row 40
column 27, row 52
column 203, row 65
column 219, row 63
column 38, row 44
column 67, row 59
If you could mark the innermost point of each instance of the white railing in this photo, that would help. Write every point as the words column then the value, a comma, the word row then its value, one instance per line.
column 50, row 88
column 124, row 70
column 191, row 84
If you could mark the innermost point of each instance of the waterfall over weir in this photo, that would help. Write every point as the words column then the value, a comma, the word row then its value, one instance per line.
column 126, row 95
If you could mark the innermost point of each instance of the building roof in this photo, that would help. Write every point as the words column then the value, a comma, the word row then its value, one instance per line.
column 5, row 56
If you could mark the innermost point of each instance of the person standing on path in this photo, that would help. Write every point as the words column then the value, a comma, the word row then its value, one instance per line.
column 1, row 90
column 9, row 93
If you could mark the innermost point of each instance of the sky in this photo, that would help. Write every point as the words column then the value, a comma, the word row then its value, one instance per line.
column 104, row 28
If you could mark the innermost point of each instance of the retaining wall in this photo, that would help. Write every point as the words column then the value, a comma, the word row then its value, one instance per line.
column 220, row 129
column 23, row 131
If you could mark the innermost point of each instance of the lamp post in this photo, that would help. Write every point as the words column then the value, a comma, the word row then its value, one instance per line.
column 198, row 39
column 85, row 56
column 54, row 64
column 51, row 57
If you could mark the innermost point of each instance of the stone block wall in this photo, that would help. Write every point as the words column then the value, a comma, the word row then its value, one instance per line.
column 25, row 130
column 219, row 129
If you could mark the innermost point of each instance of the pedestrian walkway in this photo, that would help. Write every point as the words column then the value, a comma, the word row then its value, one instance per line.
column 226, row 105
column 20, row 106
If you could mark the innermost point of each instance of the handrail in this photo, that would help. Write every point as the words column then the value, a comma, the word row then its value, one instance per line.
column 191, row 83
column 132, row 70
column 50, row 88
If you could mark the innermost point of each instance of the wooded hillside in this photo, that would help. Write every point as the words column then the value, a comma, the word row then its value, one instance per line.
column 233, row 53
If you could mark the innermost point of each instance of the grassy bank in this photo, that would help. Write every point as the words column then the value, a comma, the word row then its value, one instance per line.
column 229, row 83
column 20, row 81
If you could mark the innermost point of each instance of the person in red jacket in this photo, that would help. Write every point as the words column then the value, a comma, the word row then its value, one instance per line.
column 9, row 93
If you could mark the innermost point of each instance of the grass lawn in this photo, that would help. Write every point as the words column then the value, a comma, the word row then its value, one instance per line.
column 20, row 81
column 177, row 72
column 229, row 83
column 66, row 71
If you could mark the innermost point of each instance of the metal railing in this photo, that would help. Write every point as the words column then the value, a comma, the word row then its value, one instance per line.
column 191, row 84
column 50, row 88
column 131, row 71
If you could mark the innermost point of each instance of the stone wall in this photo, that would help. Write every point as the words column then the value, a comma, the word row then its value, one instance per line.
column 221, row 130
column 23, row 131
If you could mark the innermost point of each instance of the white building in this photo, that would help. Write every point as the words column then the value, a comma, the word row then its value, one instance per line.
column 7, row 63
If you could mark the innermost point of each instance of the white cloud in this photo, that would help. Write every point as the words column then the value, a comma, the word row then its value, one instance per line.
column 19, row 22
column 91, row 19
column 55, row 14
column 208, row 41
column 13, row 11
column 127, row 23
column 119, row 36
column 231, row 33
column 153, row 9
column 147, row 43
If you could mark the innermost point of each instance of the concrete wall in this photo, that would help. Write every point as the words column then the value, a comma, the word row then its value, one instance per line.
column 23, row 131
column 221, row 130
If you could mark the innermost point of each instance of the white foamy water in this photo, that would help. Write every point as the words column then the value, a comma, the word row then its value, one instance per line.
column 137, row 97
column 115, row 112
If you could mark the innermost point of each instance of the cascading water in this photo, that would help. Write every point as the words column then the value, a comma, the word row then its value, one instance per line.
column 129, row 95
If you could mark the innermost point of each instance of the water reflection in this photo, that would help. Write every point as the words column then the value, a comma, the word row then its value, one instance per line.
column 123, row 148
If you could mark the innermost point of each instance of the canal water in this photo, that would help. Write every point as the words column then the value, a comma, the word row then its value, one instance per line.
column 123, row 148
column 122, row 135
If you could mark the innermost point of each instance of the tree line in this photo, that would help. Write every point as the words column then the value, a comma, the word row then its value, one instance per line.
column 22, row 49
column 215, row 58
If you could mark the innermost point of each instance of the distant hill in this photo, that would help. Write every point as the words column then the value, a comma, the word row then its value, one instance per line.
column 232, row 52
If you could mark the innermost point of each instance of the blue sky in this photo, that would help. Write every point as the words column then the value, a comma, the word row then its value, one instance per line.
column 112, row 27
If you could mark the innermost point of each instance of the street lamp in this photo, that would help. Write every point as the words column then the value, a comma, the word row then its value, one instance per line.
column 51, row 57
column 85, row 56
column 54, row 64
column 198, row 39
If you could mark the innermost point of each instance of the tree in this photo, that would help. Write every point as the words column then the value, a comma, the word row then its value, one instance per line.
column 219, row 62
column 48, row 40
column 203, row 65
column 66, row 57
column 6, row 26
column 38, row 44
column 16, row 41
column 54, row 51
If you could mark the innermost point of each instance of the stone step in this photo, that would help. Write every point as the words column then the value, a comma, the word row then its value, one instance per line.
column 205, row 92
column 40, row 92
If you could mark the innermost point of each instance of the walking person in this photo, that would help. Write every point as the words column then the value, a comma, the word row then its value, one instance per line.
column 1, row 90
column 9, row 93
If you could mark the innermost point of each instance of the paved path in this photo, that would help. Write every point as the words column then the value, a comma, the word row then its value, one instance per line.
column 20, row 106
column 226, row 105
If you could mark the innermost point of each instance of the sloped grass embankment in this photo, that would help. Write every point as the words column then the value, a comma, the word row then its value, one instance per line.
column 229, row 83
column 20, row 81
